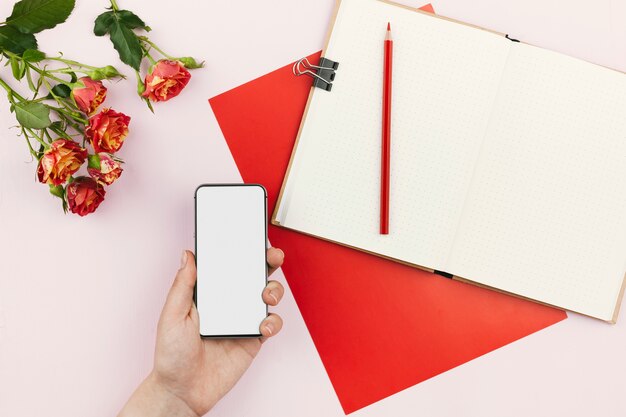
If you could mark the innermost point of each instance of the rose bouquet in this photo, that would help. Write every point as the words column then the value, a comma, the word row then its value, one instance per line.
column 60, row 117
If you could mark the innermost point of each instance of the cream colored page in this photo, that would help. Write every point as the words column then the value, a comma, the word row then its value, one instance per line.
column 546, row 213
column 445, row 77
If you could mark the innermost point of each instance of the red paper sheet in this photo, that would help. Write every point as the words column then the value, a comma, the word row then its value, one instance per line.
column 379, row 326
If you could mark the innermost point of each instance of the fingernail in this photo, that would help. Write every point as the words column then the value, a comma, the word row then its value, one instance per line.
column 183, row 259
column 268, row 328
column 274, row 297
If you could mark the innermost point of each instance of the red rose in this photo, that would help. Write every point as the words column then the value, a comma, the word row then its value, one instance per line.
column 106, row 169
column 62, row 159
column 107, row 130
column 91, row 96
column 84, row 195
column 167, row 80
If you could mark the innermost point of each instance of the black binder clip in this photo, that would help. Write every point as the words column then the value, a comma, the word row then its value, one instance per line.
column 510, row 38
column 323, row 74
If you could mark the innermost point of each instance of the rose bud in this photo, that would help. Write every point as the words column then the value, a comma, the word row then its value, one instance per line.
column 84, row 195
column 103, row 168
column 190, row 62
column 89, row 98
column 63, row 158
column 104, row 73
column 166, row 81
column 107, row 130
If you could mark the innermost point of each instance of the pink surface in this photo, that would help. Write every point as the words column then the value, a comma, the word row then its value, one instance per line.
column 79, row 299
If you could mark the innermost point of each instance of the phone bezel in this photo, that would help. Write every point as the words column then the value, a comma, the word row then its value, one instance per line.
column 195, row 238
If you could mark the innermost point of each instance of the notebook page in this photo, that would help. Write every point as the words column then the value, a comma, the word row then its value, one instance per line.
column 445, row 79
column 546, row 213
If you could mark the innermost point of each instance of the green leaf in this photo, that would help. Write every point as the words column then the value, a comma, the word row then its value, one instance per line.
column 15, row 67
column 13, row 40
column 18, row 67
column 32, row 115
column 57, row 125
column 33, row 55
column 32, row 16
column 57, row 190
column 131, row 20
column 61, row 90
column 102, row 23
column 119, row 24
column 93, row 161
column 148, row 104
column 126, row 44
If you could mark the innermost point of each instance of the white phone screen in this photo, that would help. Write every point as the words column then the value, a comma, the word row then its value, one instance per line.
column 230, row 255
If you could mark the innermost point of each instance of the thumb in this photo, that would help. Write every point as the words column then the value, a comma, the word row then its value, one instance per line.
column 180, row 297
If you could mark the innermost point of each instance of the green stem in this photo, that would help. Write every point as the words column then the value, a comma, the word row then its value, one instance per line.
column 152, row 44
column 12, row 92
column 114, row 5
column 66, row 112
column 70, row 118
column 36, row 137
column 45, row 132
column 71, row 62
column 46, row 73
column 147, row 55
column 6, row 86
column 60, row 132
column 30, row 147
column 66, row 71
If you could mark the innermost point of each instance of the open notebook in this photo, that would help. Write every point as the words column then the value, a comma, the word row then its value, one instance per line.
column 508, row 162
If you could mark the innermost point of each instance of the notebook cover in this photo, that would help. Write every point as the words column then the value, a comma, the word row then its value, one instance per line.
column 379, row 326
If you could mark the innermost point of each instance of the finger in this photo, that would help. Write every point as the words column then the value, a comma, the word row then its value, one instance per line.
column 273, row 293
column 275, row 259
column 180, row 297
column 271, row 326
column 193, row 314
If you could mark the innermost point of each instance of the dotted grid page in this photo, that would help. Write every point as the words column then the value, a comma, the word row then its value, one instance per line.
column 445, row 80
column 546, row 212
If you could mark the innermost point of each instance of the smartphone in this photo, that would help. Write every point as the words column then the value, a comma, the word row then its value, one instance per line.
column 231, row 247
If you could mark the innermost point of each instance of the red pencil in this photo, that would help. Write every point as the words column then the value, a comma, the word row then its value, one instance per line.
column 386, row 135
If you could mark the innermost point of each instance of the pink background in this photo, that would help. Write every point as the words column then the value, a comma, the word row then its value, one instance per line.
column 79, row 298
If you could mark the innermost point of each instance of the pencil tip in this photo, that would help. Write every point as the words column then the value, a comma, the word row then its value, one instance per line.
column 388, row 26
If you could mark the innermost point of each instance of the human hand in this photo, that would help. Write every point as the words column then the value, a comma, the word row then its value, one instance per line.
column 190, row 373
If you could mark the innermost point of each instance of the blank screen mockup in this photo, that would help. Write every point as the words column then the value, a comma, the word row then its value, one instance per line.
column 231, row 263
